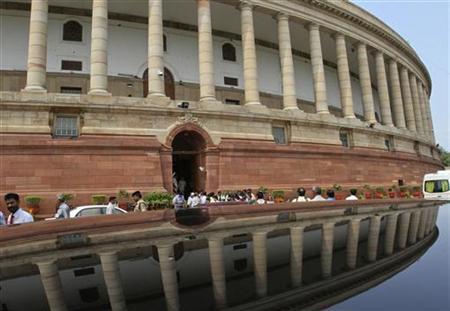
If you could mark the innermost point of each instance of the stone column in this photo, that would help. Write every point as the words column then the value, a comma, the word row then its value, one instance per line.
column 111, row 274
column 326, row 256
column 320, row 88
column 397, row 103
column 415, row 219
column 169, row 276
column 422, row 103
column 260, row 262
column 407, row 100
column 429, row 224
column 216, row 261
column 403, row 226
column 249, row 55
column 352, row 242
column 416, row 104
column 296, row 255
column 383, row 91
column 389, row 234
column 429, row 117
column 366, row 84
column 205, row 52
column 99, row 48
column 423, row 217
column 155, row 49
column 287, row 63
column 372, row 241
column 345, row 85
column 37, row 47
column 52, row 285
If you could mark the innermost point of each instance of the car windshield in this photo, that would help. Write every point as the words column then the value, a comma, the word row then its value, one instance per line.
column 435, row 186
column 92, row 211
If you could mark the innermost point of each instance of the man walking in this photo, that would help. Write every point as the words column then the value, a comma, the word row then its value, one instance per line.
column 63, row 210
column 18, row 215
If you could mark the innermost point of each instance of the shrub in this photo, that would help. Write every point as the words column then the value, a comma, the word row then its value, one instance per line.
column 380, row 190
column 337, row 187
column 32, row 200
column 67, row 196
column 404, row 188
column 158, row 199
column 262, row 189
column 98, row 199
column 278, row 194
column 123, row 194
column 416, row 189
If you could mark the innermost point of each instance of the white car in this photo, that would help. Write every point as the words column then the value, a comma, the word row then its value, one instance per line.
column 91, row 210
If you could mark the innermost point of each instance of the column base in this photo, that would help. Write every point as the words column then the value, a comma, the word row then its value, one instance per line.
column 99, row 92
column 208, row 99
column 158, row 99
column 350, row 117
column 323, row 112
column 291, row 108
column 252, row 104
column 34, row 89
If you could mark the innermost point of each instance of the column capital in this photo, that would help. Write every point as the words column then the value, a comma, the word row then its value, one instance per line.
column 281, row 16
column 312, row 26
column 245, row 4
column 337, row 35
column 376, row 52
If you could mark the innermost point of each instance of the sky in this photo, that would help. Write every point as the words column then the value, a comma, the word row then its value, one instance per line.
column 425, row 25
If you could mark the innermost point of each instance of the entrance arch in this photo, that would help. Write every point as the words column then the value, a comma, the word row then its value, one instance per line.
column 189, row 160
column 169, row 83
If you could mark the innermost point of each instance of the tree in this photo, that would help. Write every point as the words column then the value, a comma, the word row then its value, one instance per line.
column 445, row 156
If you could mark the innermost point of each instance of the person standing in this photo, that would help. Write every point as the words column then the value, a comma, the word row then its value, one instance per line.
column 140, row 205
column 178, row 201
column 18, row 215
column 317, row 194
column 352, row 195
column 2, row 219
column 112, row 204
column 63, row 210
column 301, row 196
column 182, row 185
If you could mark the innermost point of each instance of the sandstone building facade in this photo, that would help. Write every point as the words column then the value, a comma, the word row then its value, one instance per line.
column 103, row 95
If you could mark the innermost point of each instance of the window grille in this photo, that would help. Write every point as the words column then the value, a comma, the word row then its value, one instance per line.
column 66, row 126
column 279, row 135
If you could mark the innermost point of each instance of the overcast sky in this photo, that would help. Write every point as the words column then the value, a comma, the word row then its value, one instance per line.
column 425, row 25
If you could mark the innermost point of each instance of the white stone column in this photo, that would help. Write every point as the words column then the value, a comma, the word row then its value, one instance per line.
column 423, row 109
column 413, row 230
column 345, row 85
column 205, row 52
column 407, row 100
column 372, row 240
column 366, row 84
column 326, row 256
column 429, row 117
column 416, row 104
column 389, row 234
column 37, row 47
column 320, row 88
column 217, row 264
column 383, row 91
column 260, row 262
column 352, row 242
column 403, row 225
column 249, row 55
column 296, row 255
column 52, row 285
column 423, row 218
column 397, row 102
column 155, row 49
column 111, row 274
column 287, row 63
column 169, row 276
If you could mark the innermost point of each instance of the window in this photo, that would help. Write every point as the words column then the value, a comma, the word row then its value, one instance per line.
column 70, row 90
column 66, row 126
column 387, row 144
column 91, row 212
column 230, row 81
column 417, row 147
column 279, row 135
column 232, row 102
column 84, row 271
column 229, row 52
column 240, row 264
column 239, row 246
column 164, row 43
column 344, row 137
column 71, row 65
column 89, row 294
column 73, row 31
column 435, row 186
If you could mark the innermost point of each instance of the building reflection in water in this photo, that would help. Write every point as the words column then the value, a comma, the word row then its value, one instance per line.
column 308, row 261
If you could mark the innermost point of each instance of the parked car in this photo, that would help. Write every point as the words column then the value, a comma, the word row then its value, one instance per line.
column 436, row 186
column 91, row 210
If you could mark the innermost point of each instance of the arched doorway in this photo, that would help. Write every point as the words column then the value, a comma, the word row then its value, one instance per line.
column 188, row 160
column 169, row 83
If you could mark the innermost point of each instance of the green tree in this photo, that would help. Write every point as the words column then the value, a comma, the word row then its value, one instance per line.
column 445, row 156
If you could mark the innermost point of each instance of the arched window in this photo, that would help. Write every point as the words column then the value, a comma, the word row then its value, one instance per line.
column 72, row 31
column 229, row 52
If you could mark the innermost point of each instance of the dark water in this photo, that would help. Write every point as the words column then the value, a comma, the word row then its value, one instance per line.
column 425, row 285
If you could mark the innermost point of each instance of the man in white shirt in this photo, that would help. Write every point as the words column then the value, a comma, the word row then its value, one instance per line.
column 18, row 215
column 111, row 205
column 63, row 209
column 203, row 198
column 193, row 200
column 317, row 194
column 2, row 219
column 352, row 195
column 178, row 201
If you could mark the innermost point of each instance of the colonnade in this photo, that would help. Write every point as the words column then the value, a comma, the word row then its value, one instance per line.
column 412, row 226
column 409, row 100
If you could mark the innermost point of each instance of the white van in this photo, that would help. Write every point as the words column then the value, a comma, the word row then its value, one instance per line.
column 436, row 186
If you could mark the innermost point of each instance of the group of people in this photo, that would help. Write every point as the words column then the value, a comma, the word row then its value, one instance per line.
column 317, row 195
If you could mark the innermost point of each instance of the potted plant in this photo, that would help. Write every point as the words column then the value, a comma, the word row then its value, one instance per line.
column 123, row 197
column 380, row 193
column 360, row 195
column 404, row 192
column 278, row 196
column 417, row 191
column 392, row 191
column 158, row 200
column 367, row 192
column 262, row 189
column 67, row 197
column 338, row 193
column 98, row 199
column 33, row 204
